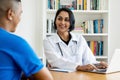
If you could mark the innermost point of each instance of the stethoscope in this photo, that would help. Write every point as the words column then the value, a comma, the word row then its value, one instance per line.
column 61, row 49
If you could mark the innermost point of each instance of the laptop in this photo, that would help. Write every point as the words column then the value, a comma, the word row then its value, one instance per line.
column 114, row 65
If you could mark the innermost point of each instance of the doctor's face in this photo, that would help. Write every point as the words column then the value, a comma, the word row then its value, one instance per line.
column 63, row 22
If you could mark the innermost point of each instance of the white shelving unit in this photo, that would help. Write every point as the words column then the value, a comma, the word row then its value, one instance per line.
column 85, row 15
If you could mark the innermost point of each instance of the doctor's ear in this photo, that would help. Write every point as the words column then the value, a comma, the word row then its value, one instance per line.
column 10, row 14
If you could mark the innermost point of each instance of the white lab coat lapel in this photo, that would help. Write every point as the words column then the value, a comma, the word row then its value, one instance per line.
column 68, row 51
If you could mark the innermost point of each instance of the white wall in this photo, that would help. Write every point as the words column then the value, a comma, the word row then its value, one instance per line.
column 30, row 27
column 114, row 25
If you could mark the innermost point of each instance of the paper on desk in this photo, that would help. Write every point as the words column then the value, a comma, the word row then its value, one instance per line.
column 61, row 70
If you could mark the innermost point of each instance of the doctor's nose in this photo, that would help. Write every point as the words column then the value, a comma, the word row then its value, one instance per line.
column 62, row 22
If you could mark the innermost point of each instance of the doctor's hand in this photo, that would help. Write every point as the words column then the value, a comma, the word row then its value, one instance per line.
column 101, row 65
column 88, row 67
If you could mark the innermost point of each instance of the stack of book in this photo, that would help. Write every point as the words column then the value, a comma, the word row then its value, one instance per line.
column 77, row 4
column 91, row 26
column 96, row 47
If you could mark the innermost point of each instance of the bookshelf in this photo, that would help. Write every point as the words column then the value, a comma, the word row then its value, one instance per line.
column 86, row 14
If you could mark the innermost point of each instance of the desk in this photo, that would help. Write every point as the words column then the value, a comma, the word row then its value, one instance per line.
column 79, row 75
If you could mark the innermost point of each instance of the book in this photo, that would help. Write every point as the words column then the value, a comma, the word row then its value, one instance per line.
column 101, row 25
column 96, row 47
column 71, row 4
column 57, row 4
column 91, row 26
column 52, row 4
column 95, row 26
column 79, row 5
column 85, row 5
column 78, row 30
column 49, row 4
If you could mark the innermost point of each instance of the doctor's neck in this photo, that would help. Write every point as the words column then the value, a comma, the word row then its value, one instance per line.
column 64, row 36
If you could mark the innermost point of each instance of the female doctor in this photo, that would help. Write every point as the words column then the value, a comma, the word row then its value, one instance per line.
column 66, row 50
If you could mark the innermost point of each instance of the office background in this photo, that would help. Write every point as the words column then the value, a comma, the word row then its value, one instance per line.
column 31, row 27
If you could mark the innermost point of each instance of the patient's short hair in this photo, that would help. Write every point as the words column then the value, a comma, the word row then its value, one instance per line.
column 8, row 4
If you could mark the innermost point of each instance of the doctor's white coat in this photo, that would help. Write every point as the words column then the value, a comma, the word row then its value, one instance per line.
column 68, row 56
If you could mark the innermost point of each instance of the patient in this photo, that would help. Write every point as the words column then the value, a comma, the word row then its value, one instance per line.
column 66, row 50
column 16, row 55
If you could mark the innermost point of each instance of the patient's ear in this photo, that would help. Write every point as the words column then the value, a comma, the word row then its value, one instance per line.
column 10, row 14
